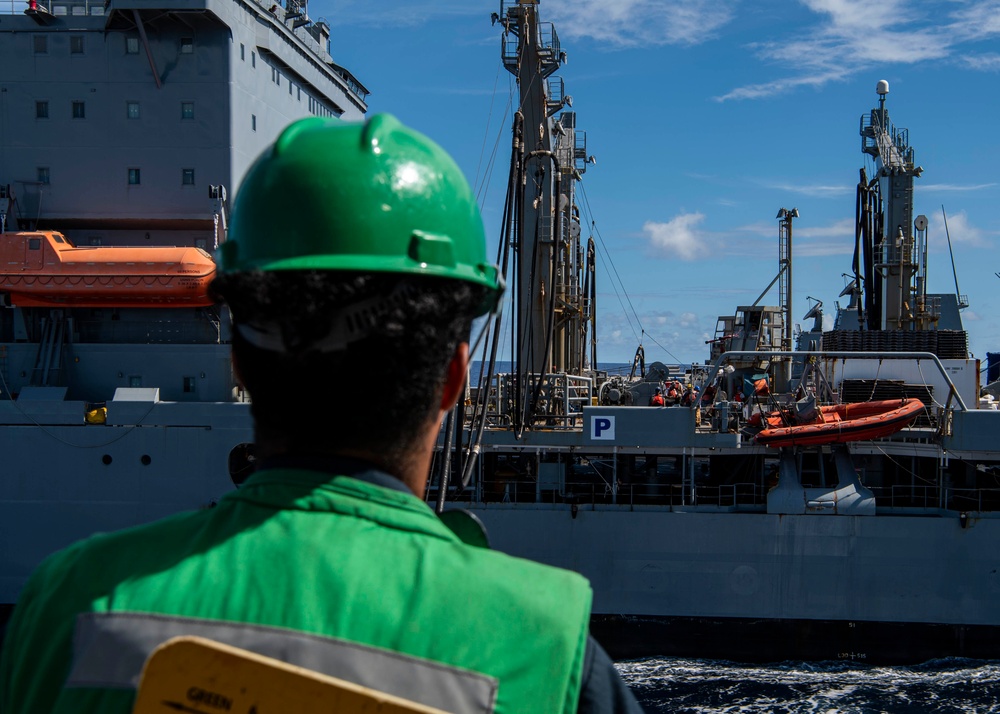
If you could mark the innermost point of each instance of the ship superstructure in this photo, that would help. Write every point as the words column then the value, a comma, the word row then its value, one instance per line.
column 119, row 116
column 124, row 126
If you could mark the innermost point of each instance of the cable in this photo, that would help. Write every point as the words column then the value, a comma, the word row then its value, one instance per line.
column 613, row 270
column 672, row 356
column 30, row 418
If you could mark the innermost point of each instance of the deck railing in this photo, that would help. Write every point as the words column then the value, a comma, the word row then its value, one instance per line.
column 739, row 496
column 59, row 8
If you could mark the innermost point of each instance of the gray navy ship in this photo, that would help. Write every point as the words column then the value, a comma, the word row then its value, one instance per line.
column 124, row 126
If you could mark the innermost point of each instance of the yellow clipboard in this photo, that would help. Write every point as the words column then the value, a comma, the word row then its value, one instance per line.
column 194, row 675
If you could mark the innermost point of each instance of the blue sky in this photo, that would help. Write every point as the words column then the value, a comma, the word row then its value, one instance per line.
column 706, row 117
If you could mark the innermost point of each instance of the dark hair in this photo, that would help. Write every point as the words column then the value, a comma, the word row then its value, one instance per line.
column 373, row 394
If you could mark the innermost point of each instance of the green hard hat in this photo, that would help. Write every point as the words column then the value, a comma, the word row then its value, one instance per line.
column 371, row 197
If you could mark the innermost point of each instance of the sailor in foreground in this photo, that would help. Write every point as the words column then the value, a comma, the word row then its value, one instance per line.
column 354, row 267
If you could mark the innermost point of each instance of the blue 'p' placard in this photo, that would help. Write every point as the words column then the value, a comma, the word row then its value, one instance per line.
column 602, row 427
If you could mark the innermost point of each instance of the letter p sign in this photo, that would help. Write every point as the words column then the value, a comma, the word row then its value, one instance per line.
column 602, row 427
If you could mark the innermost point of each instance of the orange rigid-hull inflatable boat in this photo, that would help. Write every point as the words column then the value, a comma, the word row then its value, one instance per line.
column 44, row 269
column 840, row 423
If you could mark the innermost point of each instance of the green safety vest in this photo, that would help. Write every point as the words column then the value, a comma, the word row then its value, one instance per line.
column 331, row 573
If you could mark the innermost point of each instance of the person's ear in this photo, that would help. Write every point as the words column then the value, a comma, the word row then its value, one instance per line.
column 458, row 369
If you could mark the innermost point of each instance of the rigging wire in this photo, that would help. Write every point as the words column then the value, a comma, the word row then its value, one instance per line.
column 672, row 355
column 613, row 270
column 483, row 189
column 486, row 132
column 47, row 432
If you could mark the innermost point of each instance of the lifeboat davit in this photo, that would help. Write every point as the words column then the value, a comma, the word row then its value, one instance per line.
column 841, row 423
column 44, row 269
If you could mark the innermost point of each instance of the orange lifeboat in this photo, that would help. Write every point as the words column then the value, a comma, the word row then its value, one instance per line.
column 841, row 423
column 44, row 269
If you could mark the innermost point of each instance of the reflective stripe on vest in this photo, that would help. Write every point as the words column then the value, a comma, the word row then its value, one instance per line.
column 109, row 650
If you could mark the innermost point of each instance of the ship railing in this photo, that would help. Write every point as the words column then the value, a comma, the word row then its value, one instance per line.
column 972, row 499
column 59, row 8
column 887, row 142
column 890, row 254
column 738, row 496
column 556, row 92
column 933, row 497
column 907, row 496
column 953, row 394
column 561, row 399
column 564, row 396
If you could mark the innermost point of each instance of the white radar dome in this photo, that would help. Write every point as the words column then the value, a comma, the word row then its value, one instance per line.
column 882, row 87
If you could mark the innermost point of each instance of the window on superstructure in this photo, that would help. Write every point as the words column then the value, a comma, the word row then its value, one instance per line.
column 187, row 110
column 289, row 89
column 43, row 175
column 132, row 110
column 187, row 177
column 42, row 109
column 300, row 93
column 76, row 44
column 253, row 122
column 189, row 383
column 253, row 58
column 132, row 45
column 243, row 52
column 41, row 44
column 134, row 178
column 187, row 46
column 79, row 110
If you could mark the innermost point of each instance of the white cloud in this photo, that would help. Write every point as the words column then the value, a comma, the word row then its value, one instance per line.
column 978, row 20
column 669, row 337
column 954, row 186
column 962, row 232
column 854, row 35
column 780, row 86
column 678, row 237
column 983, row 63
column 819, row 250
column 843, row 227
column 398, row 13
column 819, row 191
column 687, row 319
column 810, row 240
column 637, row 23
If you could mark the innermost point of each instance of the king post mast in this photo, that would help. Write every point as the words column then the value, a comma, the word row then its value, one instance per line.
column 898, row 299
column 552, row 313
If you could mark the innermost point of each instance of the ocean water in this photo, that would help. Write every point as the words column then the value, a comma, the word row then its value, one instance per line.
column 689, row 686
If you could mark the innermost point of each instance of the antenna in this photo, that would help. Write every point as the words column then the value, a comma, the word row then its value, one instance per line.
column 963, row 302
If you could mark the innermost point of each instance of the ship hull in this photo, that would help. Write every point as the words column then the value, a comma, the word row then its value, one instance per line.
column 765, row 640
column 763, row 587
column 670, row 578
